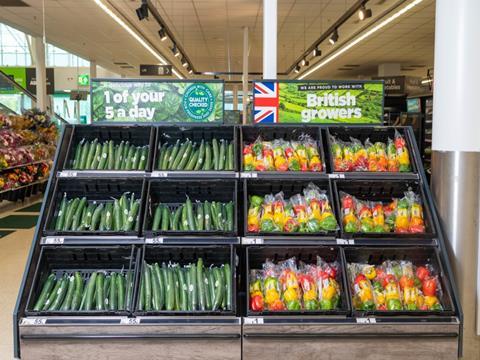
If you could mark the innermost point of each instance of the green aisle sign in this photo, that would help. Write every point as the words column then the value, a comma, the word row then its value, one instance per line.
column 83, row 80
column 157, row 100
column 345, row 102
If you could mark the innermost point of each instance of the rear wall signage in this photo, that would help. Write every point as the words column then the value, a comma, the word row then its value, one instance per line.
column 157, row 100
column 348, row 102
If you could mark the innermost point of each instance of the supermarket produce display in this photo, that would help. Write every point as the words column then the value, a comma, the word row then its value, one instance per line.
column 270, row 246
column 27, row 147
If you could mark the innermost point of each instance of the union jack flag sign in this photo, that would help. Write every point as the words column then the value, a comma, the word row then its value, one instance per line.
column 265, row 102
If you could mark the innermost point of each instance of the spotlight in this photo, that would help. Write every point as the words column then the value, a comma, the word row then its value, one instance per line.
column 190, row 70
column 364, row 13
column 303, row 62
column 184, row 62
column 163, row 35
column 175, row 51
column 316, row 52
column 297, row 69
column 142, row 11
column 334, row 38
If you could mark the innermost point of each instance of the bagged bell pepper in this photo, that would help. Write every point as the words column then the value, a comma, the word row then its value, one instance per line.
column 308, row 286
column 254, row 210
column 337, row 154
column 301, row 153
column 350, row 221
column 372, row 162
column 402, row 216
column 389, row 211
column 360, row 161
column 403, row 157
column 267, row 223
column 393, row 165
column 365, row 216
column 382, row 162
column 392, row 288
column 271, row 287
column 248, row 158
column 361, row 288
column 256, row 291
column 290, row 285
column 329, row 288
column 348, row 157
column 267, row 152
column 291, row 224
column 279, row 211
column 299, row 208
column 313, row 156
column 280, row 159
column 417, row 225
column 378, row 218
column 291, row 156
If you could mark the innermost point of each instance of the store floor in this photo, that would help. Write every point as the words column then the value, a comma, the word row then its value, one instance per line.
column 17, row 225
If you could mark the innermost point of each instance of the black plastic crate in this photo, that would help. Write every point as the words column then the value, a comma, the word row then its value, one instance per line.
column 215, row 255
column 86, row 260
column 195, row 133
column 374, row 133
column 99, row 190
column 138, row 135
column 419, row 256
column 384, row 191
column 173, row 193
column 257, row 255
column 289, row 187
column 248, row 134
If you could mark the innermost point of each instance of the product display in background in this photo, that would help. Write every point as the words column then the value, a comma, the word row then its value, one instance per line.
column 78, row 292
column 392, row 156
column 394, row 286
column 292, row 285
column 403, row 215
column 116, row 214
column 194, row 216
column 282, row 155
column 187, row 155
column 95, row 155
column 192, row 287
column 309, row 212
column 27, row 147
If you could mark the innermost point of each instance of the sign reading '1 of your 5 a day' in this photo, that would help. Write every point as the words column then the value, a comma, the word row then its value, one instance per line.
column 127, row 100
column 356, row 102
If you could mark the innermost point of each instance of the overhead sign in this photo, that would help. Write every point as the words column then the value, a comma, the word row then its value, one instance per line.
column 31, row 79
column 83, row 80
column 347, row 102
column 401, row 85
column 15, row 73
column 126, row 100
column 156, row 70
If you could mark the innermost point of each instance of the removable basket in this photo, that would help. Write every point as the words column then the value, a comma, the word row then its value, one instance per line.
column 248, row 134
column 418, row 256
column 99, row 190
column 86, row 260
column 384, row 191
column 257, row 255
column 173, row 193
column 289, row 187
column 374, row 133
column 138, row 135
column 195, row 133
column 215, row 255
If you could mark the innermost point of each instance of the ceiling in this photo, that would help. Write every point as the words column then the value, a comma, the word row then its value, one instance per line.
column 211, row 33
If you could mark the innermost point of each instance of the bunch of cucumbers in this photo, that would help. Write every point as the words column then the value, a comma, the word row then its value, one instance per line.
column 190, row 156
column 192, row 287
column 79, row 214
column 93, row 155
column 101, row 291
column 198, row 216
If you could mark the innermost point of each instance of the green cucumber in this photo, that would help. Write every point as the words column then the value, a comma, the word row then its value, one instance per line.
column 193, row 160
column 221, row 156
column 91, row 153
column 121, row 292
column 109, row 216
column 208, row 158
column 188, row 277
column 99, row 292
column 155, row 290
column 91, row 285
column 170, row 291
column 185, row 157
column 157, row 217
column 176, row 218
column 230, row 158
column 83, row 157
column 201, row 157
column 173, row 155
column 214, row 215
column 183, row 290
column 216, row 154
column 165, row 218
column 162, row 154
column 88, row 218
column 211, row 285
column 184, row 221
column 161, row 287
column 67, row 302
column 206, row 287
column 176, row 284
column 132, row 216
column 111, row 156
column 200, row 217
column 45, row 293
column 148, row 287
column 200, row 285
column 228, row 286
column 96, row 217
column 52, row 296
column 61, row 213
column 118, row 156
column 142, row 163
column 219, row 288
column 106, row 292
column 103, row 156
column 126, row 150
column 71, row 210
column 141, row 300
column 77, row 217
column 164, row 164
column 62, row 290
column 194, row 288
column 230, row 210
column 136, row 158
column 190, row 218
column 207, row 215
column 113, row 294
column 102, row 225
column 179, row 156
column 130, row 157
column 78, row 154
column 96, row 157
column 77, row 297
column 117, row 216
column 129, row 289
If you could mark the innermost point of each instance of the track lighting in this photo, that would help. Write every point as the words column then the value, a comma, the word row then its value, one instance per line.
column 297, row 69
column 163, row 34
column 303, row 62
column 364, row 13
column 316, row 52
column 175, row 51
column 190, row 70
column 334, row 37
column 142, row 11
column 184, row 62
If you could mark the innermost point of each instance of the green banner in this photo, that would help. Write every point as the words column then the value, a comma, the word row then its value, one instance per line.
column 157, row 100
column 15, row 73
column 346, row 102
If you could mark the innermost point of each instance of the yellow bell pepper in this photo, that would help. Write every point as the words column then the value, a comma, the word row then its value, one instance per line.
column 430, row 301
column 271, row 295
column 369, row 272
column 290, row 294
column 328, row 292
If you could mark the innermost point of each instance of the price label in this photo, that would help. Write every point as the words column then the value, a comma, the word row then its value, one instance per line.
column 249, row 175
column 53, row 240
column 33, row 321
column 336, row 176
column 154, row 240
column 253, row 321
column 366, row 321
column 130, row 321
column 345, row 242
column 159, row 174
column 68, row 173
column 252, row 241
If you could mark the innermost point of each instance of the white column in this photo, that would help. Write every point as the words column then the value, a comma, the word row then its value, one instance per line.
column 269, row 39
column 245, row 75
column 93, row 69
column 40, row 73
column 456, row 151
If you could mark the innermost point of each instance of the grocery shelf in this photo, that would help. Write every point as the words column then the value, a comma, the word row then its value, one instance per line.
column 42, row 161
